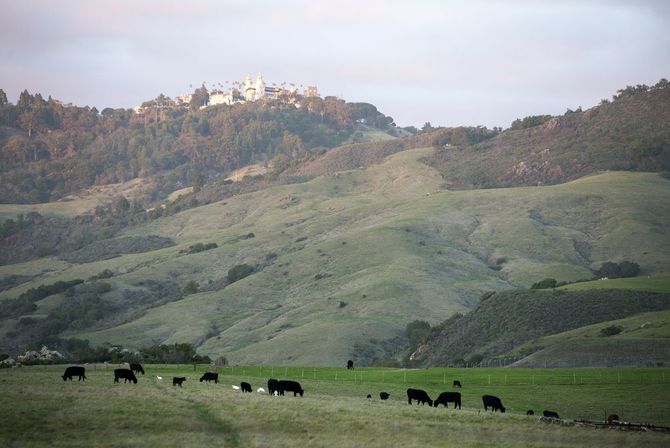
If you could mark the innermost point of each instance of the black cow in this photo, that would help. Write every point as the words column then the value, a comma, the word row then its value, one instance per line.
column 449, row 397
column 350, row 364
column 530, row 412
column 74, row 371
column 551, row 414
column 126, row 374
column 210, row 376
column 419, row 395
column 178, row 380
column 290, row 386
column 246, row 387
column 369, row 397
column 457, row 383
column 384, row 395
column 273, row 386
column 493, row 402
column 137, row 368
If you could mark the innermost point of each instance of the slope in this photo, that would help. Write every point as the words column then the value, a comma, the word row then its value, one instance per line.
column 345, row 261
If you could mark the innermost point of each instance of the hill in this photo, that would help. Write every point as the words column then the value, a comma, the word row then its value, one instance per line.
column 340, row 263
column 628, row 133
column 49, row 150
column 505, row 320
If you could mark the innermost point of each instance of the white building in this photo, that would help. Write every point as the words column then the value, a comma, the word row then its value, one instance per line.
column 220, row 98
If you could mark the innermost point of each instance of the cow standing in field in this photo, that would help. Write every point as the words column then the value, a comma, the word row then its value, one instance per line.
column 290, row 386
column 419, row 395
column 273, row 386
column 246, row 387
column 126, row 374
column 457, row 384
column 384, row 396
column 494, row 403
column 210, row 376
column 137, row 368
column 350, row 365
column 530, row 412
column 74, row 371
column 551, row 414
column 449, row 397
column 178, row 380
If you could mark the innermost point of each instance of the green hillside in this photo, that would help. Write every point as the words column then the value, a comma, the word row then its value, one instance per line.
column 644, row 339
column 343, row 262
column 630, row 132
column 652, row 284
column 501, row 322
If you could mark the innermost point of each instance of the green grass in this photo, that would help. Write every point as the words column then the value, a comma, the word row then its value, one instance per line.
column 387, row 240
column 651, row 284
column 39, row 409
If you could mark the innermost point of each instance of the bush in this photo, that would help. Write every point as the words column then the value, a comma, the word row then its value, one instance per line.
column 611, row 330
column 545, row 284
column 239, row 272
column 190, row 288
column 613, row 270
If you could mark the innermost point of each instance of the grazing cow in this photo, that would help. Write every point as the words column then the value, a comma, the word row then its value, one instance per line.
column 246, row 387
column 494, row 403
column 530, row 412
column 350, row 364
column 612, row 419
column 369, row 397
column 178, row 380
column 273, row 386
column 290, row 386
column 457, row 383
column 126, row 374
column 449, row 397
column 419, row 395
column 384, row 396
column 210, row 376
column 137, row 368
column 74, row 371
column 551, row 414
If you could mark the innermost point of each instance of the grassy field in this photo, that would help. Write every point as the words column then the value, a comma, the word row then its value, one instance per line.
column 652, row 284
column 39, row 409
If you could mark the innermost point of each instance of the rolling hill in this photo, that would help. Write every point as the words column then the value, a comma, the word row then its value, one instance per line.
column 343, row 262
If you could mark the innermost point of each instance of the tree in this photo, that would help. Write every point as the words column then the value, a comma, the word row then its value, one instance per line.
column 3, row 98
column 121, row 206
column 200, row 98
column 190, row 288
column 238, row 272
column 545, row 284
column 417, row 331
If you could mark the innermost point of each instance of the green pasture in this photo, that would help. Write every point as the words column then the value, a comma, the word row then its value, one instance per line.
column 39, row 409
column 644, row 283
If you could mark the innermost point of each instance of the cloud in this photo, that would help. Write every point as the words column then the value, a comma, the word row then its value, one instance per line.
column 448, row 62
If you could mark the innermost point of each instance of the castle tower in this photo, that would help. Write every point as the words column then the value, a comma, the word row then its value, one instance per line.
column 249, row 90
column 260, row 87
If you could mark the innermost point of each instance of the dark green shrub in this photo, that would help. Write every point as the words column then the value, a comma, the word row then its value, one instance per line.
column 239, row 272
column 190, row 288
column 611, row 330
column 545, row 284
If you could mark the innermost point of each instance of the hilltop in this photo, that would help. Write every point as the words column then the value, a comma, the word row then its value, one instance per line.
column 630, row 132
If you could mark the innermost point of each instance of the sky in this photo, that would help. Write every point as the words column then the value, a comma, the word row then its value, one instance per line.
column 449, row 63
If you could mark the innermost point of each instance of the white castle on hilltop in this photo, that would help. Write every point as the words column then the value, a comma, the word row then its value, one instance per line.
column 238, row 93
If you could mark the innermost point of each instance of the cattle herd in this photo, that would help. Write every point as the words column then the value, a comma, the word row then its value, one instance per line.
column 280, row 387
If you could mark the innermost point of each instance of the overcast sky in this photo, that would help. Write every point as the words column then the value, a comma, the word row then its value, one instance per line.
column 448, row 62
